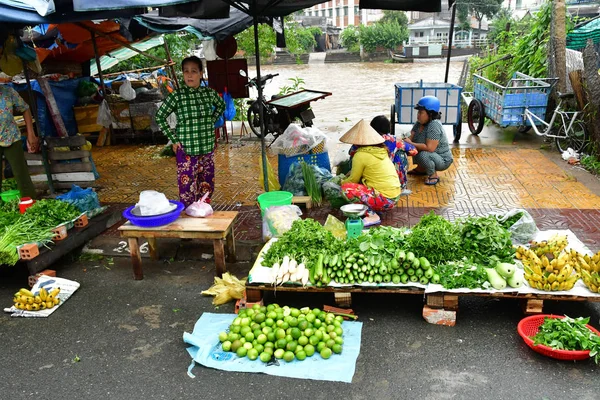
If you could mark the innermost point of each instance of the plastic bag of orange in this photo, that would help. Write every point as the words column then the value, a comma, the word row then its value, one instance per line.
column 273, row 182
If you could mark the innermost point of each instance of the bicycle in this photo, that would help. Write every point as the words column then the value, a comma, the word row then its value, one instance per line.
column 572, row 132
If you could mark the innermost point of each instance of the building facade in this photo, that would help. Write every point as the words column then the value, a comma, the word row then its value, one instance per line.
column 342, row 13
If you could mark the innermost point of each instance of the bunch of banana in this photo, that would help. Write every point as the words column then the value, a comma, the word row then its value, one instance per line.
column 588, row 267
column 551, row 248
column 543, row 274
column 24, row 299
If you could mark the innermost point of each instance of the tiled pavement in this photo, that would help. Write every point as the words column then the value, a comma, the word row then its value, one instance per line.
column 481, row 180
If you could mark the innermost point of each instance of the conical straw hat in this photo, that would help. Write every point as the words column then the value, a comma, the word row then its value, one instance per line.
column 362, row 134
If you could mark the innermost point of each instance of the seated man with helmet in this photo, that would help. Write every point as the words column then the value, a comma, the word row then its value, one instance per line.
column 429, row 138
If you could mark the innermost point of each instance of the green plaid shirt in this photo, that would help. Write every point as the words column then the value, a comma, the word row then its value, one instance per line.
column 197, row 110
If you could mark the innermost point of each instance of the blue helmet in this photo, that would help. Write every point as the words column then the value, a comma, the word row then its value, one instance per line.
column 428, row 103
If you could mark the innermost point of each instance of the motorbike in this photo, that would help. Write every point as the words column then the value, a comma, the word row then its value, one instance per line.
column 281, row 110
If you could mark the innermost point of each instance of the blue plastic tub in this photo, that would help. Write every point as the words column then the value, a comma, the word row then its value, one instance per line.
column 154, row 221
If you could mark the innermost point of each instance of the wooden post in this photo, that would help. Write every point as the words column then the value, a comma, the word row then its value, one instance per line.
column 39, row 131
column 106, row 132
column 170, row 62
column 219, row 257
column 576, row 78
column 592, row 87
column 136, row 258
column 231, row 257
column 153, row 249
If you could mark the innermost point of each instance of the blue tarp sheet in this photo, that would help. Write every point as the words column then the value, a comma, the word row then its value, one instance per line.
column 64, row 93
column 206, row 350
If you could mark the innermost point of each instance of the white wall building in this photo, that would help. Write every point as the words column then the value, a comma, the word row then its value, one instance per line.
column 341, row 13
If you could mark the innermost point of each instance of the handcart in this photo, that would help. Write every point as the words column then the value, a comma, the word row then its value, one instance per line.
column 506, row 105
column 408, row 95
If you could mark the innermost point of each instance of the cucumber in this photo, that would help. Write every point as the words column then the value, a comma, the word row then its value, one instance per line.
column 515, row 281
column 424, row 263
column 423, row 280
column 414, row 278
column 416, row 263
column 505, row 270
column 404, row 278
column 401, row 255
column 495, row 279
column 428, row 273
column 435, row 278
column 410, row 257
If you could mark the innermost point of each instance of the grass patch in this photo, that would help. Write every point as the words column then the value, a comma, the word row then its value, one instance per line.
column 591, row 163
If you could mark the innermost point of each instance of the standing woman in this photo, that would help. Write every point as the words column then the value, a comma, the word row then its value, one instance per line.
column 429, row 138
column 11, row 145
column 197, row 108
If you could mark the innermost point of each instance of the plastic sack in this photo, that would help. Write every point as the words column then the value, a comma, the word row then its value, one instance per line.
column 273, row 182
column 230, row 110
column 570, row 154
column 153, row 203
column 280, row 218
column 336, row 227
column 296, row 140
column 83, row 199
column 294, row 181
column 523, row 229
column 126, row 91
column 200, row 209
column 104, row 115
column 333, row 194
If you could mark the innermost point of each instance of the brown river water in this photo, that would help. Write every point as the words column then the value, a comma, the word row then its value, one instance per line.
column 359, row 90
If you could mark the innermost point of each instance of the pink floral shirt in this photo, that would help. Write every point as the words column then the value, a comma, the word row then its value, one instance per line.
column 9, row 101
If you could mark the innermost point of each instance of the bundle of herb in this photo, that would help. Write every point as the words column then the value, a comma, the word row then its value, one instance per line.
column 310, row 183
column 568, row 334
column 21, row 232
column 50, row 213
column 436, row 238
column 484, row 237
column 303, row 240
column 462, row 274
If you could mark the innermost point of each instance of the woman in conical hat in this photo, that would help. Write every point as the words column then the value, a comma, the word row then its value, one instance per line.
column 373, row 180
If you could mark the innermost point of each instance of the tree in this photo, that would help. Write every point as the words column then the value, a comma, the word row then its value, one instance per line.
column 388, row 35
column 398, row 17
column 350, row 38
column 477, row 8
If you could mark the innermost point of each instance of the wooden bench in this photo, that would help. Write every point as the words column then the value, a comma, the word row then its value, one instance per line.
column 218, row 228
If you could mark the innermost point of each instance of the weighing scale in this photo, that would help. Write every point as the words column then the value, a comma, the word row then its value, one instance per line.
column 354, row 223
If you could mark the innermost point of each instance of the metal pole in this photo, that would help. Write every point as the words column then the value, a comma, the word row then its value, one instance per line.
column 260, row 94
column 39, row 132
column 450, row 40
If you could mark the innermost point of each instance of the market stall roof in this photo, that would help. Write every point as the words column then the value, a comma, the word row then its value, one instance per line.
column 23, row 13
column 114, row 57
column 76, row 44
column 219, row 29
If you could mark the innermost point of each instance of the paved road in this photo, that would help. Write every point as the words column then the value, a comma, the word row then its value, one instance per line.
column 128, row 336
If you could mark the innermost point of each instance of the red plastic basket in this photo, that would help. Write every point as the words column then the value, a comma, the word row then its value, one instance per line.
column 529, row 326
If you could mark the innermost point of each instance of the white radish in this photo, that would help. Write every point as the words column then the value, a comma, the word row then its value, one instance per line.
column 284, row 267
column 293, row 277
column 305, row 277
column 274, row 271
column 292, row 267
column 286, row 278
column 300, row 271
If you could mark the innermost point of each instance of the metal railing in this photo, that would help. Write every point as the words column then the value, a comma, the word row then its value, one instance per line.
column 459, row 43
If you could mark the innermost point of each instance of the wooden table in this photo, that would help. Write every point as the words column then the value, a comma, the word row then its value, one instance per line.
column 218, row 228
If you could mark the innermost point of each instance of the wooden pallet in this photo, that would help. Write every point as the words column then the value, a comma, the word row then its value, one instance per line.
column 302, row 200
column 342, row 296
column 530, row 302
column 64, row 174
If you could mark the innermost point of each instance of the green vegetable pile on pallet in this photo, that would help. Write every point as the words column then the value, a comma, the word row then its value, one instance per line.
column 436, row 238
column 51, row 213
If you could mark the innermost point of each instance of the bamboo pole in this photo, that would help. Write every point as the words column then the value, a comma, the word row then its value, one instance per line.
column 137, row 70
column 170, row 61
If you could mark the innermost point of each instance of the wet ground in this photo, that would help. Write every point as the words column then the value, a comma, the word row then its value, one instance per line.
column 128, row 334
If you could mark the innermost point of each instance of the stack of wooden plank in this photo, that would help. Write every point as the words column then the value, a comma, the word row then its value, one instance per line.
column 69, row 164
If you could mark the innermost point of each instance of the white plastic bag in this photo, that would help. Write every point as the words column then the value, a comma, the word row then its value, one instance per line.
column 153, row 203
column 104, row 115
column 279, row 220
column 524, row 229
column 569, row 154
column 126, row 91
column 296, row 140
column 200, row 209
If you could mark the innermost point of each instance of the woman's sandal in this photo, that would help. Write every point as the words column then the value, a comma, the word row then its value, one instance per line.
column 432, row 181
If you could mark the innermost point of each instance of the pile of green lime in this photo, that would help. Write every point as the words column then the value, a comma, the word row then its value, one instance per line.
column 285, row 333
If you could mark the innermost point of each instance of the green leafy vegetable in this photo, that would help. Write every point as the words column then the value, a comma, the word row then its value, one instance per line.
column 9, row 184
column 51, row 213
column 484, row 237
column 568, row 334
column 21, row 232
column 510, row 221
column 436, row 238
column 462, row 274
column 310, row 183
